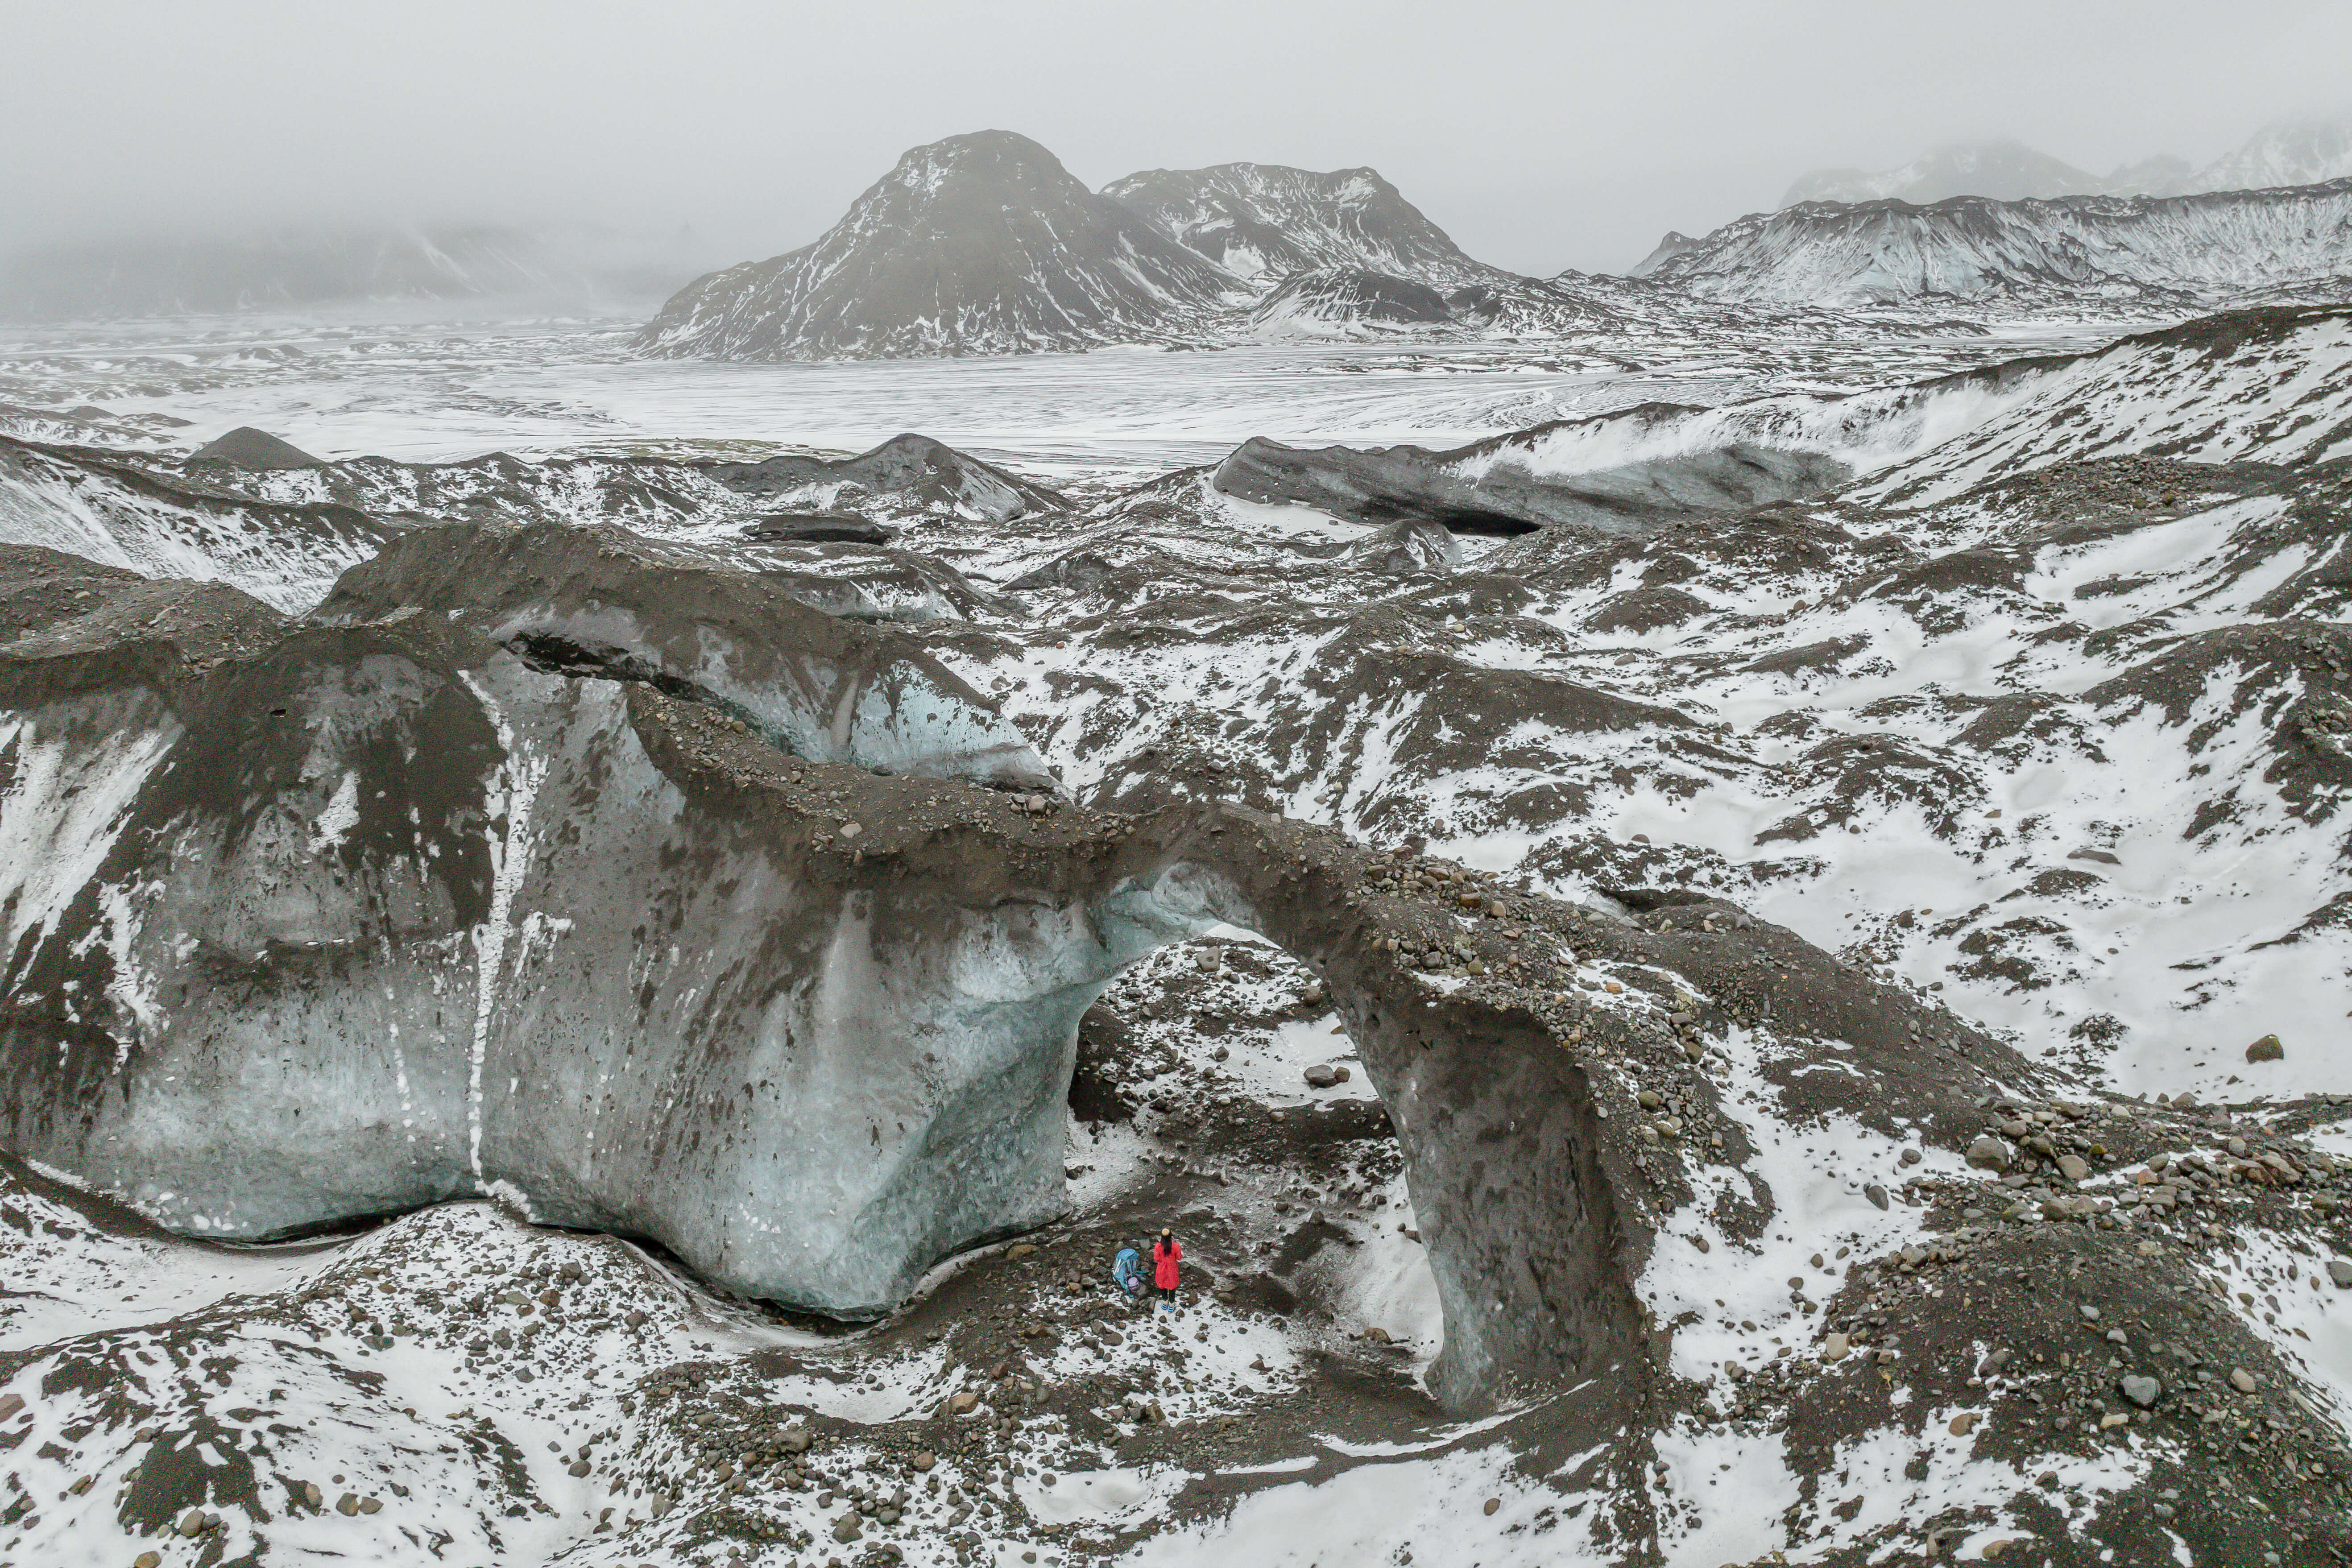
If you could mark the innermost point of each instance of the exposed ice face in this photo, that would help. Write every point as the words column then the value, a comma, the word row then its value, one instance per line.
column 436, row 930
column 390, row 914
column 403, row 916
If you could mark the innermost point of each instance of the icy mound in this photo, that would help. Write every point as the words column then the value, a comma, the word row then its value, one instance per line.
column 367, row 916
column 1470, row 490
column 911, row 472
column 603, row 601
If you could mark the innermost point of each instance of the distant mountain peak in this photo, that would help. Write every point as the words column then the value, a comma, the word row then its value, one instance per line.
column 2275, row 245
column 1266, row 221
column 2002, row 170
column 985, row 243
column 980, row 243
column 2301, row 151
column 2307, row 151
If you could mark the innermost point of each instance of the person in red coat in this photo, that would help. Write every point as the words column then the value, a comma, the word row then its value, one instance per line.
column 1167, row 1254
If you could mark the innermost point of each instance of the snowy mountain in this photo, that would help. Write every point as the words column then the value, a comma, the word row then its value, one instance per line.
column 1262, row 222
column 983, row 244
column 978, row 244
column 2161, row 175
column 1666, row 250
column 2306, row 152
column 2292, row 153
column 2210, row 247
column 2003, row 170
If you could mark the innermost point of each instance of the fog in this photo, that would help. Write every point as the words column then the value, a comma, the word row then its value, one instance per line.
column 1539, row 135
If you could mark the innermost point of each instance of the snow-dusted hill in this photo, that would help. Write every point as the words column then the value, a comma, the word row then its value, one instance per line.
column 1264, row 222
column 1346, row 301
column 978, row 244
column 982, row 244
column 2241, row 245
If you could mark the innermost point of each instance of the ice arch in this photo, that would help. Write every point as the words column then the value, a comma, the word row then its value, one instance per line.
column 319, row 920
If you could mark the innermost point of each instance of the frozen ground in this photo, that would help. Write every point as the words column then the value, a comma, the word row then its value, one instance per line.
column 439, row 393
column 1802, row 736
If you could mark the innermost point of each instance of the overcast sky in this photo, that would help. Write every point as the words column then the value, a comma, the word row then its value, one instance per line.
column 1545, row 134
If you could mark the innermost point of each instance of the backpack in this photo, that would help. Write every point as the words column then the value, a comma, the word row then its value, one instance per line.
column 1126, row 1271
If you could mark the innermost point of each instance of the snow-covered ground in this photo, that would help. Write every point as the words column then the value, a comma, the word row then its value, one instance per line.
column 423, row 394
column 363, row 1349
